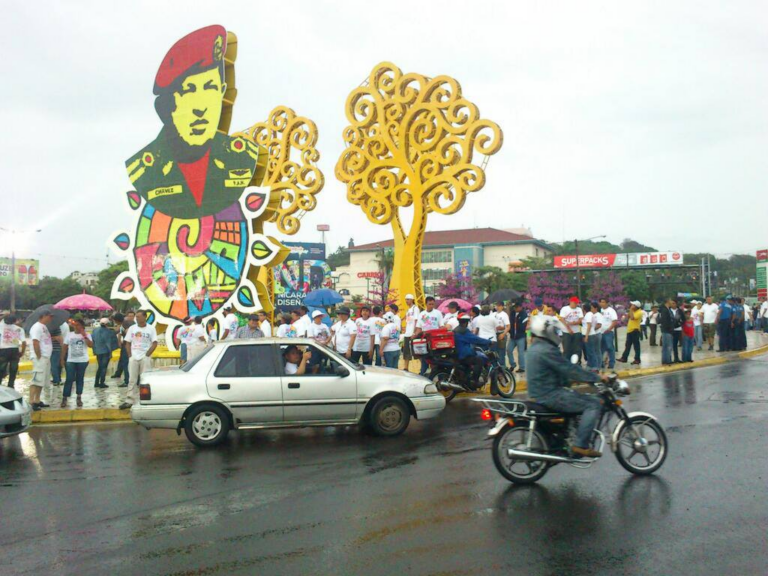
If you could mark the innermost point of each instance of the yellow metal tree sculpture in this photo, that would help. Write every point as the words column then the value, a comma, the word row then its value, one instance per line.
column 412, row 141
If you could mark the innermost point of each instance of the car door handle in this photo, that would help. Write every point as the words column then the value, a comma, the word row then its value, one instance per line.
column 294, row 385
column 223, row 386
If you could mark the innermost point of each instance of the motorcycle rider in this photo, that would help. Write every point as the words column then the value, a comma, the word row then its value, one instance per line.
column 465, row 342
column 549, row 378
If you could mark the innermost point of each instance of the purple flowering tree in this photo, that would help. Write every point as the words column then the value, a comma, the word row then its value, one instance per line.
column 379, row 293
column 555, row 288
column 608, row 285
column 455, row 286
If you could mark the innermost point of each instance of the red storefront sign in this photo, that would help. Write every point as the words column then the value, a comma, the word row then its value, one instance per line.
column 368, row 274
column 586, row 261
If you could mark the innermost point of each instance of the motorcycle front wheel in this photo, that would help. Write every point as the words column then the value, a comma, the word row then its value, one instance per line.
column 514, row 470
column 448, row 393
column 504, row 382
column 641, row 446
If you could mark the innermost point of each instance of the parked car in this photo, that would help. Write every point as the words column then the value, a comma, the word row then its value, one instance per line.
column 243, row 384
column 15, row 413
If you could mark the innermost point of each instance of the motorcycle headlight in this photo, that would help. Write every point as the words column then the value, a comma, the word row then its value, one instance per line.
column 430, row 389
column 621, row 388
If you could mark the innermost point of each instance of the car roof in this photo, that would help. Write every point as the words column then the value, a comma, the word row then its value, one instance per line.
column 266, row 340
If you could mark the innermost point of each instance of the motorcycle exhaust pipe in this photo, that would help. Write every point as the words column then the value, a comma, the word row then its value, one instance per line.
column 525, row 455
column 450, row 386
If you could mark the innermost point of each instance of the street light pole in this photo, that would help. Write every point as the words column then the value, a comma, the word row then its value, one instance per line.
column 578, row 272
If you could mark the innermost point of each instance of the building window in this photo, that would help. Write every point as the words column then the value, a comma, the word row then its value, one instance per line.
column 434, row 273
column 437, row 256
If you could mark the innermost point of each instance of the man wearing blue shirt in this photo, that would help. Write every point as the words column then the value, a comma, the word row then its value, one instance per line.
column 724, row 320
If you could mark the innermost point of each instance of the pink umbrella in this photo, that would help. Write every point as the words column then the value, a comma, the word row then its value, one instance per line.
column 82, row 302
column 463, row 304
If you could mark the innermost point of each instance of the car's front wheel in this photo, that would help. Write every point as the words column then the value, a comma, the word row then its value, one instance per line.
column 389, row 416
column 206, row 425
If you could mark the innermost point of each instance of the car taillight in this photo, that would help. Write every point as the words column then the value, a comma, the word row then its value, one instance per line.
column 486, row 414
column 145, row 392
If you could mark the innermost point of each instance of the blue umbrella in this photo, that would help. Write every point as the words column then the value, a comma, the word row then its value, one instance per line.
column 323, row 297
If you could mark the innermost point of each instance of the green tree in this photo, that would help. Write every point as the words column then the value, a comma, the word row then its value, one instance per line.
column 338, row 258
column 636, row 285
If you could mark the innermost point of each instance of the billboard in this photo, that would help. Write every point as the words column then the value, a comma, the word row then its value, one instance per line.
column 762, row 274
column 620, row 260
column 302, row 271
column 27, row 271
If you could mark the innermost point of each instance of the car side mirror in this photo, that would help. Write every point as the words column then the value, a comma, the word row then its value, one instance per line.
column 341, row 371
column 574, row 358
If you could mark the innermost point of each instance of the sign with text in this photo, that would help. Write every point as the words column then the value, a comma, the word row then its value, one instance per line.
column 304, row 270
column 620, row 260
column 762, row 274
column 27, row 271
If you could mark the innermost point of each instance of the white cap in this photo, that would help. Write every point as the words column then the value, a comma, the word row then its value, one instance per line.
column 409, row 297
column 317, row 313
column 636, row 303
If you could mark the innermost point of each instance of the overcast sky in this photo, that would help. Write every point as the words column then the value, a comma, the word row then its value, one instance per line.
column 631, row 119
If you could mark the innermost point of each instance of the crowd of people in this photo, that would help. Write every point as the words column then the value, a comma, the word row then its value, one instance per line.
column 376, row 336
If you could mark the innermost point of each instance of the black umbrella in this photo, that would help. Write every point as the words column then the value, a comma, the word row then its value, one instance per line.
column 503, row 295
column 59, row 317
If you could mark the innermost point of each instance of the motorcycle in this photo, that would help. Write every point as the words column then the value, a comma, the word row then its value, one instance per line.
column 452, row 377
column 529, row 438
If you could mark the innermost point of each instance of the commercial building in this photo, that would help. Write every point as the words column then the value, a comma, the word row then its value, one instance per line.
column 85, row 279
column 443, row 253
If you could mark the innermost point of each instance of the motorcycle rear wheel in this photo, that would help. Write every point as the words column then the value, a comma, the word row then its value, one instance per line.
column 643, row 454
column 442, row 376
column 504, row 382
column 519, row 471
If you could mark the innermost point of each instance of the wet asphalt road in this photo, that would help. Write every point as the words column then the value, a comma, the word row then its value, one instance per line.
column 116, row 499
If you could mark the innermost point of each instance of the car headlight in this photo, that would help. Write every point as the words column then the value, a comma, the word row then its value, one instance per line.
column 430, row 389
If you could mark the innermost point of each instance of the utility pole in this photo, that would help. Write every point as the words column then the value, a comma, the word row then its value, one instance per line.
column 578, row 271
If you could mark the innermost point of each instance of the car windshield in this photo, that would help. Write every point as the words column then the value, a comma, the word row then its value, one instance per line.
column 188, row 366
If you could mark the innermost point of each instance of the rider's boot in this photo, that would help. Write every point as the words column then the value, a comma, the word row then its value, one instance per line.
column 585, row 452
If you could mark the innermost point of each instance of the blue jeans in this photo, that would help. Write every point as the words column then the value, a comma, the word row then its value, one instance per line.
column 594, row 348
column 518, row 343
column 101, row 372
column 698, row 334
column 424, row 367
column 571, row 402
column 377, row 354
column 56, row 366
column 687, row 349
column 392, row 359
column 667, row 347
column 607, row 346
column 76, row 374
column 501, row 351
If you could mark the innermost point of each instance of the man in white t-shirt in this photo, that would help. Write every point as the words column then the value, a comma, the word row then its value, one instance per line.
column 429, row 319
column 230, row 324
column 343, row 333
column 502, row 332
column 390, row 339
column 321, row 334
column 362, row 347
column 763, row 315
column 608, row 344
column 306, row 319
column 196, row 340
column 698, row 328
column 487, row 324
column 42, row 348
column 709, row 321
column 13, row 344
column 264, row 325
column 571, row 317
column 411, row 316
column 296, row 362
column 450, row 320
column 377, row 325
column 141, row 341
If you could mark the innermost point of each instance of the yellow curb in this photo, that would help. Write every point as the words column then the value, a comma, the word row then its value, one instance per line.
column 44, row 416
column 83, row 415
column 87, row 415
column 753, row 353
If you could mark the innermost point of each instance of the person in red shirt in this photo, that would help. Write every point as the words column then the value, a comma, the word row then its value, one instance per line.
column 688, row 337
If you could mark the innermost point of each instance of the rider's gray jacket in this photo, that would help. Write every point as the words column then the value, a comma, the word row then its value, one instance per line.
column 548, row 371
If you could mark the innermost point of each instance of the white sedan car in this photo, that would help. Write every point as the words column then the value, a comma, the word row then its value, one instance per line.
column 244, row 384
column 15, row 413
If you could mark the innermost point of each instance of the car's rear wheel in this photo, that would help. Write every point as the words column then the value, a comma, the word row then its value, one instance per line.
column 389, row 416
column 206, row 425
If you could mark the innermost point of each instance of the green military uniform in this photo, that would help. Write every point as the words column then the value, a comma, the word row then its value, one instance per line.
column 157, row 177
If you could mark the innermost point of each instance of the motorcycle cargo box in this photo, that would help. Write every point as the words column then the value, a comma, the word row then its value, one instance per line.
column 440, row 340
column 419, row 346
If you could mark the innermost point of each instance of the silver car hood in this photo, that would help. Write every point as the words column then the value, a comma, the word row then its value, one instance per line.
column 8, row 394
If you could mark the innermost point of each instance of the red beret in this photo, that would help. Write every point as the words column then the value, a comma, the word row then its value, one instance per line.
column 574, row 299
column 202, row 49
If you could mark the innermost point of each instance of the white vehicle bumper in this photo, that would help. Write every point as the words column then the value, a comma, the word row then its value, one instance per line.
column 16, row 421
column 428, row 406
column 159, row 416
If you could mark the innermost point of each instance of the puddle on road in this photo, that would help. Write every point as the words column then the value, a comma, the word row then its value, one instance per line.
column 740, row 396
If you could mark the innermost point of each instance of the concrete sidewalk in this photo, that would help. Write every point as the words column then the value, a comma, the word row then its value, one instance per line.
column 102, row 404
